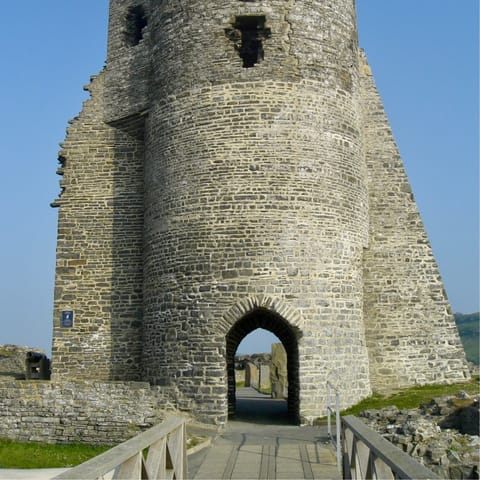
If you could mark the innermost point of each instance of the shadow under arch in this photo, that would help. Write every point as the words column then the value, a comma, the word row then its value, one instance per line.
column 263, row 318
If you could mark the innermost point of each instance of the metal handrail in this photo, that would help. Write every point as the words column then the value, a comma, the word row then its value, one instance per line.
column 337, row 443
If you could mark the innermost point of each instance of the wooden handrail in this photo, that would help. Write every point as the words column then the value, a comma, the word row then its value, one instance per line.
column 366, row 454
column 167, row 456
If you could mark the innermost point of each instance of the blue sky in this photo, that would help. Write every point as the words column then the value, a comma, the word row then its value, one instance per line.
column 424, row 56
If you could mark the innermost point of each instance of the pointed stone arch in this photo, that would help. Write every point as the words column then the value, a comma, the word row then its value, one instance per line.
column 247, row 304
column 272, row 315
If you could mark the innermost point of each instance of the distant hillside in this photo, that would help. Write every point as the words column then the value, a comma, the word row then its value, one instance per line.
column 468, row 327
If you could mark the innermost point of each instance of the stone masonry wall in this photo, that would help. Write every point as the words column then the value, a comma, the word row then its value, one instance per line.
column 241, row 213
column 279, row 372
column 129, row 75
column 255, row 187
column 203, row 198
column 78, row 412
column 99, row 249
column 411, row 333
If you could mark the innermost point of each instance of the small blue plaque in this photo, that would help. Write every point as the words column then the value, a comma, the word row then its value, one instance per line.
column 67, row 319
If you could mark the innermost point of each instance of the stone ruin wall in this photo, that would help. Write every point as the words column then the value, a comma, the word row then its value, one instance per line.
column 259, row 186
column 257, row 376
column 355, row 273
column 410, row 330
column 279, row 371
column 92, row 412
column 251, row 208
column 79, row 412
column 99, row 249
column 12, row 361
column 264, row 371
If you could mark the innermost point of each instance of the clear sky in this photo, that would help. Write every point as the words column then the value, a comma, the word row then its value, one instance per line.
column 424, row 56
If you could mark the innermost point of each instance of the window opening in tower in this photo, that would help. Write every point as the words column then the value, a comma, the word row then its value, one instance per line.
column 247, row 34
column 135, row 22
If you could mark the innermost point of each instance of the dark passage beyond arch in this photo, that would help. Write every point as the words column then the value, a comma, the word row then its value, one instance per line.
column 263, row 318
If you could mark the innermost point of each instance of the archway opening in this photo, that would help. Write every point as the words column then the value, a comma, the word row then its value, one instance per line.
column 261, row 318
column 258, row 341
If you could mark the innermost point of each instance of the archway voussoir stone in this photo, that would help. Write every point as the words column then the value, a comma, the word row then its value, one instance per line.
column 248, row 304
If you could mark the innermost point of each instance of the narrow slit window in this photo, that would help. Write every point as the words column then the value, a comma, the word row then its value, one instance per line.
column 248, row 34
column 135, row 22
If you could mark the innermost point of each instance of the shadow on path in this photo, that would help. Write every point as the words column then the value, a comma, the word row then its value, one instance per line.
column 261, row 442
column 255, row 407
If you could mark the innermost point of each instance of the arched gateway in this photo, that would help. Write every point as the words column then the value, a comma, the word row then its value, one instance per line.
column 288, row 334
column 237, row 153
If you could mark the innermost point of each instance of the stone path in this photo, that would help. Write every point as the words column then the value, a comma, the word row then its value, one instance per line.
column 260, row 444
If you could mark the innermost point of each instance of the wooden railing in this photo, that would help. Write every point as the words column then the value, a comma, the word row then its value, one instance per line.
column 166, row 457
column 366, row 454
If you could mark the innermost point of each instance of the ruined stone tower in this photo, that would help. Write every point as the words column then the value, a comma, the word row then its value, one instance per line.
column 234, row 169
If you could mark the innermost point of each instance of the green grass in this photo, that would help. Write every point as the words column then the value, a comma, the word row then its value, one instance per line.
column 40, row 455
column 413, row 397
column 4, row 352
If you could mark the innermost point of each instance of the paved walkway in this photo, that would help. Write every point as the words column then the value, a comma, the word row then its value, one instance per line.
column 259, row 444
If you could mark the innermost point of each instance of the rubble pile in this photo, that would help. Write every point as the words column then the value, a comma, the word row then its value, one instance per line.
column 443, row 435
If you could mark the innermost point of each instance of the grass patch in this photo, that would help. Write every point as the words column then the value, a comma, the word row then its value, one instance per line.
column 413, row 397
column 41, row 455
column 194, row 440
column 4, row 352
column 240, row 384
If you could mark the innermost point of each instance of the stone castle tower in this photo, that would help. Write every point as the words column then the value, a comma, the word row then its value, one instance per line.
column 234, row 169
